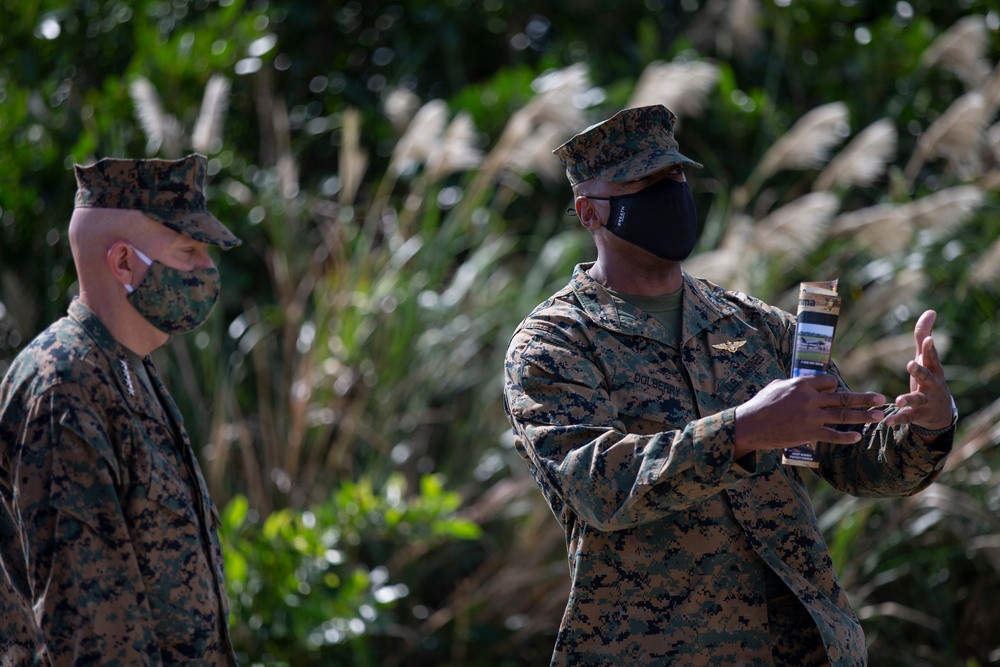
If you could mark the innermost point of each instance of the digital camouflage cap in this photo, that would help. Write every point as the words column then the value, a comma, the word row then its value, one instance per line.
column 626, row 147
column 170, row 192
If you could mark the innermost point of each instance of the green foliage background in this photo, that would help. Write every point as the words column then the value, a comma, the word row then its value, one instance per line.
column 345, row 396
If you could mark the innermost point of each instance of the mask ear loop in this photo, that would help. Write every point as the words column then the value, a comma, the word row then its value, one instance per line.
column 142, row 256
column 572, row 211
column 128, row 288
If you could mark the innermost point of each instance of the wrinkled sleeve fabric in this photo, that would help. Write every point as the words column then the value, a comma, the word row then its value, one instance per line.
column 580, row 452
column 81, row 557
column 888, row 461
column 21, row 642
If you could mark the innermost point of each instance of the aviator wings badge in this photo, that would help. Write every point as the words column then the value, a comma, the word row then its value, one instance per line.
column 730, row 345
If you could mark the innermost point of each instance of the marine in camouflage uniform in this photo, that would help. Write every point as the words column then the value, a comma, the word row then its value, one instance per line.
column 680, row 550
column 98, row 476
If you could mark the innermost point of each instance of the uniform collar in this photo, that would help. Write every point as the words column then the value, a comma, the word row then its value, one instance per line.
column 128, row 383
column 87, row 319
column 701, row 306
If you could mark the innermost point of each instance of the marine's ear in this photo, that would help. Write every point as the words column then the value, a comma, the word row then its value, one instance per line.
column 124, row 264
column 590, row 213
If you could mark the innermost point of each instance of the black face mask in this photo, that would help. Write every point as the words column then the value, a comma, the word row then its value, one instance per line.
column 659, row 219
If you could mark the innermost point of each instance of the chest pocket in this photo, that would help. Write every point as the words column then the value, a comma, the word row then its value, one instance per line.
column 172, row 555
column 169, row 489
column 648, row 386
column 737, row 376
column 167, row 531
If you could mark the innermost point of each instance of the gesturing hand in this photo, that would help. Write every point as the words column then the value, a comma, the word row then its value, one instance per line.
column 787, row 413
column 929, row 402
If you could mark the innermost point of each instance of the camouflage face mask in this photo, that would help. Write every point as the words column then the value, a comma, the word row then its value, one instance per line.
column 172, row 300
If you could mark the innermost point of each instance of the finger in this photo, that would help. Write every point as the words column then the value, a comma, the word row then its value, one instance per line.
column 909, row 402
column 920, row 372
column 835, row 437
column 901, row 417
column 923, row 410
column 912, row 401
column 929, row 357
column 925, row 382
column 922, row 398
column 853, row 416
column 821, row 382
column 849, row 399
column 923, row 328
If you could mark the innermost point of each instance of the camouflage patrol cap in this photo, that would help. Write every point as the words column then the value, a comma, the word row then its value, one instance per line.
column 626, row 147
column 170, row 192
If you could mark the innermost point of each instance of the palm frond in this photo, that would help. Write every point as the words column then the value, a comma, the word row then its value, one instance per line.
column 163, row 132
column 730, row 28
column 891, row 352
column 989, row 181
column 890, row 238
column 558, row 100
column 805, row 146
column 961, row 50
column 719, row 266
column 991, row 91
column 863, row 160
column 682, row 86
column 456, row 151
column 993, row 142
column 851, row 222
column 944, row 210
column 794, row 230
column 420, row 139
column 353, row 158
column 286, row 165
column 206, row 138
column 743, row 26
column 561, row 95
column 902, row 290
column 979, row 432
column 954, row 136
column 986, row 270
column 534, row 155
column 399, row 106
column 724, row 264
column 887, row 228
column 958, row 130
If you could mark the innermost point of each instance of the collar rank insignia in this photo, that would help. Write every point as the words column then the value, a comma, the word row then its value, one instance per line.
column 128, row 377
column 730, row 345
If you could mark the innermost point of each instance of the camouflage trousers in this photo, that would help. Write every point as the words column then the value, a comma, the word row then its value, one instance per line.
column 795, row 640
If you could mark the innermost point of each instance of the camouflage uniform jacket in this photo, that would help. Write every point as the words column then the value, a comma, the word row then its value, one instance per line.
column 21, row 642
column 630, row 440
column 123, row 555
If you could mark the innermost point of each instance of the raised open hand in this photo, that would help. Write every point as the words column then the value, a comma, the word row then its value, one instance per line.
column 929, row 403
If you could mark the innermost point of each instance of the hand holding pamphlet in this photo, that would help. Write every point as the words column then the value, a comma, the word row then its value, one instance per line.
column 819, row 308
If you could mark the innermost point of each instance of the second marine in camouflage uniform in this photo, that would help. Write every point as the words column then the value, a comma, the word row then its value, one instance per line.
column 681, row 552
column 630, row 438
